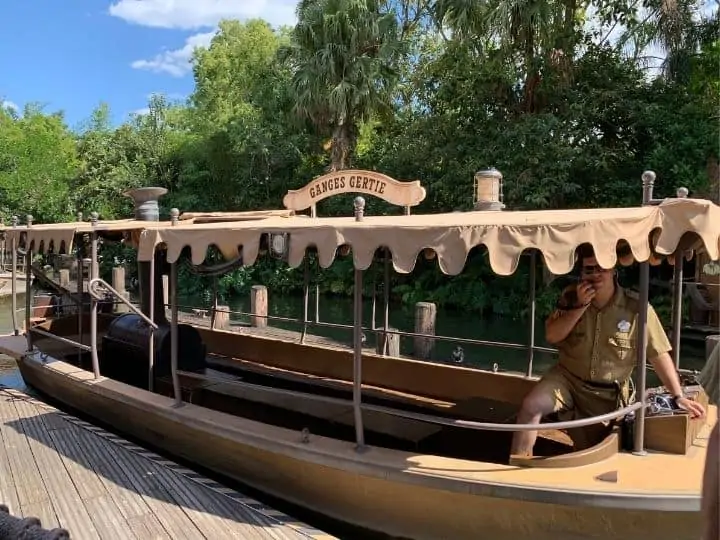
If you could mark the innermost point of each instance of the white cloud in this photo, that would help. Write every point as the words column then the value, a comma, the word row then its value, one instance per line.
column 193, row 14
column 6, row 104
column 140, row 112
column 176, row 62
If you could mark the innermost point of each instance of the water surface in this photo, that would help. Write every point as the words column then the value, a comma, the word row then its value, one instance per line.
column 9, row 373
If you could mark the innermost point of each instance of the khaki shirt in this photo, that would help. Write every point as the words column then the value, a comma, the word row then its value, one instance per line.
column 602, row 348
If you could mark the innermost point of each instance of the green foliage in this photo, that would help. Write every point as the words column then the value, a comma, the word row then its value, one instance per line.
column 418, row 90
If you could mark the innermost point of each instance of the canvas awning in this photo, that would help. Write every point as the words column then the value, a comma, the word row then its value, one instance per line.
column 661, row 229
column 58, row 237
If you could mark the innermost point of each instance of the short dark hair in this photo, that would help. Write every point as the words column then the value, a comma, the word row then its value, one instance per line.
column 585, row 251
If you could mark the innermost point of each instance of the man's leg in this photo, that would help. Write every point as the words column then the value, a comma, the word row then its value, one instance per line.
column 551, row 394
column 710, row 507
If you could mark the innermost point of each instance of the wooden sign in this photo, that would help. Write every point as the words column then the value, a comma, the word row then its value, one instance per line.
column 355, row 181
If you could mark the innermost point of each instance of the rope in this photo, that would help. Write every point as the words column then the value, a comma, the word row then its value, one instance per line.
column 29, row 528
column 215, row 270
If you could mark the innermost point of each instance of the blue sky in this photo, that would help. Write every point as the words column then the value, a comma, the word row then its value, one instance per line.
column 71, row 55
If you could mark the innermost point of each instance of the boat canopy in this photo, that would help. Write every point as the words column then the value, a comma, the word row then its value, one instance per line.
column 637, row 233
column 58, row 237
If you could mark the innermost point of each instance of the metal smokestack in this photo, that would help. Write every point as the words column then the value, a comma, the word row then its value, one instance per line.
column 148, row 209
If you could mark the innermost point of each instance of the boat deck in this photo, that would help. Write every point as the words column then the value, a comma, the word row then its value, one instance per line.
column 71, row 474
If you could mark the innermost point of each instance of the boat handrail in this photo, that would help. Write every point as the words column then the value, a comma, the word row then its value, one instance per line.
column 95, row 283
column 322, row 324
column 60, row 339
column 470, row 341
column 427, row 418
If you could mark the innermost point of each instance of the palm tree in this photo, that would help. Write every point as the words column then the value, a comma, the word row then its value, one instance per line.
column 343, row 54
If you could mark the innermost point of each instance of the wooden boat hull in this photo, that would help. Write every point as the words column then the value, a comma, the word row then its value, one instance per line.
column 393, row 492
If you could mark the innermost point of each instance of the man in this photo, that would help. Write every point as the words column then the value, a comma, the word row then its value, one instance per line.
column 595, row 330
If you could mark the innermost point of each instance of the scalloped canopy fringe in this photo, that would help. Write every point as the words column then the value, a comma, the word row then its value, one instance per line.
column 642, row 234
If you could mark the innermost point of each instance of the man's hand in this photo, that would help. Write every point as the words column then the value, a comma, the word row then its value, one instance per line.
column 585, row 293
column 694, row 408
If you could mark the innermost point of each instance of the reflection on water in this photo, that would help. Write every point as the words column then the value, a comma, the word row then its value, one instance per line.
column 9, row 373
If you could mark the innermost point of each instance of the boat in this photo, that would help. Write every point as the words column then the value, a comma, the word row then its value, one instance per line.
column 400, row 446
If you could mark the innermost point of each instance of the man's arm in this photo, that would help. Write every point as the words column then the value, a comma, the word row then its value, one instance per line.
column 567, row 314
column 561, row 322
column 658, row 349
column 666, row 372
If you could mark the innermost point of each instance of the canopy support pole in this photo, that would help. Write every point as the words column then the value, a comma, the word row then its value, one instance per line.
column 79, row 253
column 386, row 301
column 306, row 297
column 677, row 307
column 13, row 256
column 173, row 285
column 359, row 206
column 648, row 181
column 93, row 301
column 531, row 330
column 28, row 285
column 151, row 344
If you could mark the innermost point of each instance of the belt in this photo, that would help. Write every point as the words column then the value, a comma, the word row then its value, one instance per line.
column 604, row 385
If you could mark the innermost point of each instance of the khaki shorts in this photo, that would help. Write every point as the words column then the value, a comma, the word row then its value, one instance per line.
column 573, row 398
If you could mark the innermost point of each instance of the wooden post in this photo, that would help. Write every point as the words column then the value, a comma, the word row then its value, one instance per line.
column 710, row 343
column 118, row 283
column 425, row 313
column 258, row 306
column 166, row 290
column 222, row 318
column 65, row 277
column 393, row 342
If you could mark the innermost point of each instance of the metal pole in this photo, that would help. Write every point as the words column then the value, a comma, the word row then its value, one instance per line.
column 306, row 297
column 174, row 335
column 173, row 284
column 648, row 181
column 386, row 301
column 151, row 345
column 79, row 280
column 677, row 307
column 28, row 281
column 531, row 332
column 28, row 297
column 93, row 301
column 359, row 205
column 13, row 256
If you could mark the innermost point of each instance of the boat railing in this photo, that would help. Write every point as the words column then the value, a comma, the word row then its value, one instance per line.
column 95, row 289
column 61, row 339
column 324, row 324
column 98, row 289
column 470, row 341
column 422, row 417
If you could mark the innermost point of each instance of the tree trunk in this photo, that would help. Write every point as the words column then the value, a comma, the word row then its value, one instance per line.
column 713, row 171
column 342, row 147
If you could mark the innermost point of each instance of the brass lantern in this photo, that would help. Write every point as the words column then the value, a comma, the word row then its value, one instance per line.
column 488, row 186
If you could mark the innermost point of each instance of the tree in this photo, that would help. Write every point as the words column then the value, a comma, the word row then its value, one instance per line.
column 343, row 55
column 37, row 162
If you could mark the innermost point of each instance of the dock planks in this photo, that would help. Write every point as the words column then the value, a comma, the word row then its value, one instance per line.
column 71, row 474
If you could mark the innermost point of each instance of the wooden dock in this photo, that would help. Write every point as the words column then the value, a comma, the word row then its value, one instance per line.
column 71, row 474
column 273, row 332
